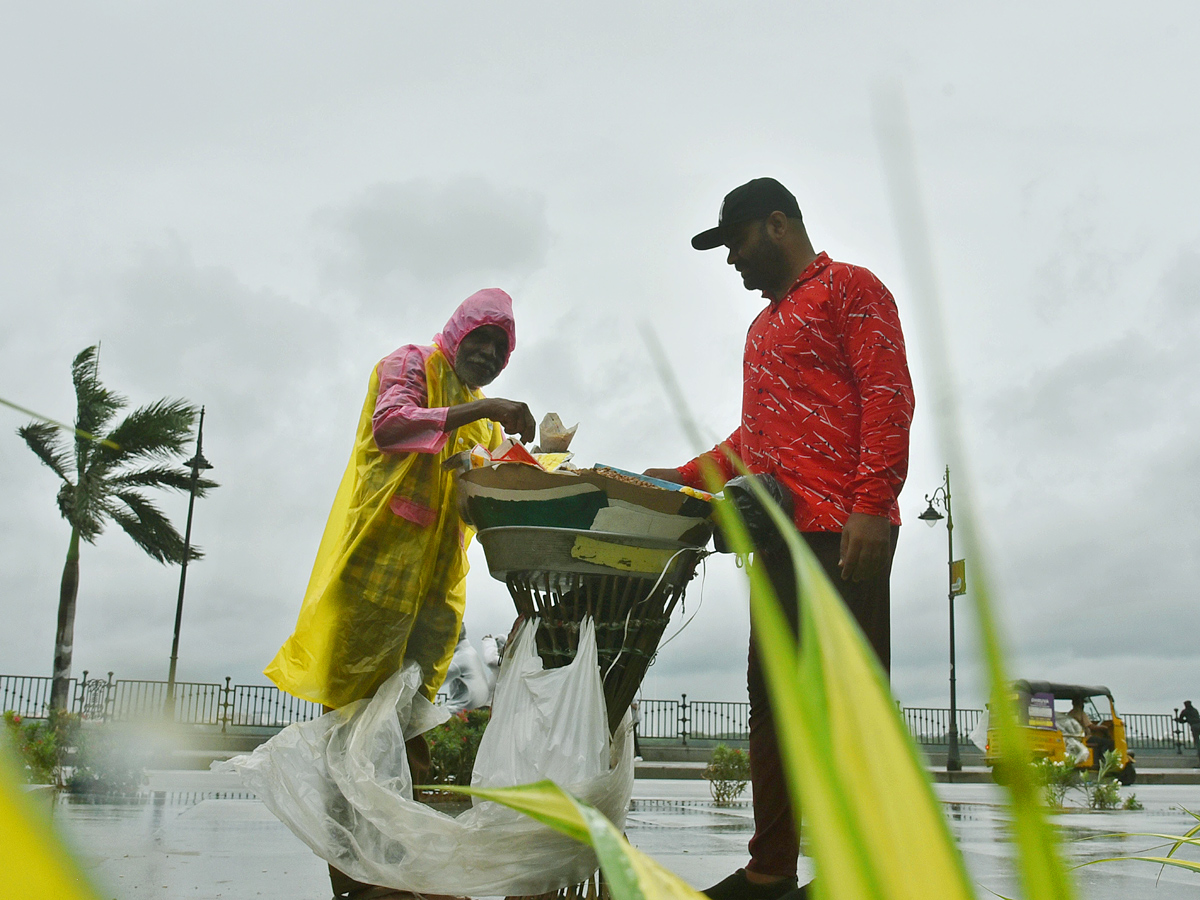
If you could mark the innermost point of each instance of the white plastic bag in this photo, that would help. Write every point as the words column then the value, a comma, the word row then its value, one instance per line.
column 341, row 783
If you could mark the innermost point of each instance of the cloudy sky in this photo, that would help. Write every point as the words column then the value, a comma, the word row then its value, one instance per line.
column 250, row 205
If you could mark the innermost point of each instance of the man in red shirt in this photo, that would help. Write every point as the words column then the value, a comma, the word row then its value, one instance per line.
column 826, row 406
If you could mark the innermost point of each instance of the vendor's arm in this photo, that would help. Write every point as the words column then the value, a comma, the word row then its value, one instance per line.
column 875, row 348
column 514, row 417
column 403, row 423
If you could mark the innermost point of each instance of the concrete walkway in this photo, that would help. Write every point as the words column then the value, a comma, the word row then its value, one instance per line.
column 199, row 836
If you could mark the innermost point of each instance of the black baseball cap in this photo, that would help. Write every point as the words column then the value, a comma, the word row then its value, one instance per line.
column 755, row 199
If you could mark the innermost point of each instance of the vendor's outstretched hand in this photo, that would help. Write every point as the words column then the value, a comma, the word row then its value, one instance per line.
column 514, row 417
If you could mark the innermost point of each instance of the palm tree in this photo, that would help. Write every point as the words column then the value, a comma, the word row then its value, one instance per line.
column 110, row 473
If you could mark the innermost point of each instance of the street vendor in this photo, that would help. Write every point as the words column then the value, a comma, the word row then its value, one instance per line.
column 389, row 582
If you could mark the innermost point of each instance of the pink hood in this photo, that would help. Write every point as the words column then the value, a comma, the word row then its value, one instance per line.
column 491, row 306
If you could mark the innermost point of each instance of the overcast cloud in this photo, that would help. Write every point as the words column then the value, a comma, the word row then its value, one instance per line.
column 249, row 206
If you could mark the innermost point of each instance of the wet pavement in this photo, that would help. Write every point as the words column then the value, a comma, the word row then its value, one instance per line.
column 199, row 836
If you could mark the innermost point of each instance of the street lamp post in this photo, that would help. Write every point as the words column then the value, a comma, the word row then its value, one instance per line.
column 197, row 464
column 941, row 497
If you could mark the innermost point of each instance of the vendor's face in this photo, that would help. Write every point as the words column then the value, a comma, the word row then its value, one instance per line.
column 481, row 355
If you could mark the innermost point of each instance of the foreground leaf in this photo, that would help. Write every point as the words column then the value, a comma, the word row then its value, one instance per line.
column 630, row 874
column 1161, row 860
column 34, row 862
column 1043, row 874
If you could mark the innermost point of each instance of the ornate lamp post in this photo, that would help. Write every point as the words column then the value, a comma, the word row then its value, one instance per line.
column 957, row 580
column 197, row 464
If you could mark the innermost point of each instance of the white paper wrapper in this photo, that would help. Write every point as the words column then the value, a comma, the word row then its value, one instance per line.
column 553, row 436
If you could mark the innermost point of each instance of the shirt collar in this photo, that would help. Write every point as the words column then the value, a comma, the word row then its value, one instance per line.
column 811, row 271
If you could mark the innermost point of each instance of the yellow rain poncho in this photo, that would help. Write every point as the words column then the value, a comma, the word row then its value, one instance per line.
column 385, row 589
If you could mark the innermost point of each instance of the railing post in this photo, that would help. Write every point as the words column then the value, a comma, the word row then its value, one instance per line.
column 110, row 698
column 81, row 694
column 226, row 705
column 1178, row 733
column 683, row 719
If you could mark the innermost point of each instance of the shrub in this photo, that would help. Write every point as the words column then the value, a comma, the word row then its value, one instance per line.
column 40, row 743
column 1100, row 787
column 1056, row 778
column 1132, row 802
column 106, row 763
column 453, row 745
column 727, row 774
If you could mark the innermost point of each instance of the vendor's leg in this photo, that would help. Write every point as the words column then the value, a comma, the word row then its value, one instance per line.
column 417, row 751
column 431, row 643
column 419, row 761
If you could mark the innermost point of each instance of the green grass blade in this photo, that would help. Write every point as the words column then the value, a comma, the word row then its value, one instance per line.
column 875, row 828
column 1043, row 874
column 629, row 873
column 1161, row 860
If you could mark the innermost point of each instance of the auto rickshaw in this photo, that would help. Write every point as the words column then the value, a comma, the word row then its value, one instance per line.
column 1080, row 736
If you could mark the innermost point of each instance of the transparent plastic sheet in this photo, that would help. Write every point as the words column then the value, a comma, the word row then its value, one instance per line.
column 341, row 783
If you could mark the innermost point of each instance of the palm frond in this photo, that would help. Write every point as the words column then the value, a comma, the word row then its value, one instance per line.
column 156, row 476
column 159, row 430
column 95, row 404
column 149, row 528
column 162, row 476
column 84, row 516
column 46, row 442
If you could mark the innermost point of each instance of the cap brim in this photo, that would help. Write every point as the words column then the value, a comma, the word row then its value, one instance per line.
column 708, row 240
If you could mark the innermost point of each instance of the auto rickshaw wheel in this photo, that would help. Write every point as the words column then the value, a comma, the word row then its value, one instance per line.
column 1127, row 775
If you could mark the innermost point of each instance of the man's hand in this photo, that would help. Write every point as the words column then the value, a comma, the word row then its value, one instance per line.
column 671, row 475
column 866, row 543
column 514, row 417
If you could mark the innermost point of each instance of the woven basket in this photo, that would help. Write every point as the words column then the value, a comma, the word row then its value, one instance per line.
column 628, row 584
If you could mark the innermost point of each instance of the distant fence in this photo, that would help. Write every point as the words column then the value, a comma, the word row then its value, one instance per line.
column 932, row 725
column 231, row 706
column 195, row 703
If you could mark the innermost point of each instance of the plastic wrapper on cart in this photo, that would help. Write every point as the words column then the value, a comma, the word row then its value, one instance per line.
column 342, row 784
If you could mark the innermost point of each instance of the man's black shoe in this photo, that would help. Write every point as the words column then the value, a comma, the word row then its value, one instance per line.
column 738, row 887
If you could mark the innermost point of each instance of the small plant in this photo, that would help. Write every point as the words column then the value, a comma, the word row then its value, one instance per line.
column 1057, row 779
column 41, row 743
column 728, row 773
column 1100, row 787
column 453, row 745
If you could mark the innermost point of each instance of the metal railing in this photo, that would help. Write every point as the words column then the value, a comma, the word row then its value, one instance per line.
column 196, row 703
column 26, row 695
column 659, row 718
column 1157, row 731
column 720, row 720
column 265, row 706
column 931, row 726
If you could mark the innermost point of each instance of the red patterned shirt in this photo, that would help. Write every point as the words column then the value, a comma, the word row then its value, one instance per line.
column 826, row 399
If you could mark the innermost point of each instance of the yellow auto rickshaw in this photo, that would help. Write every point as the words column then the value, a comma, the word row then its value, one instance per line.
column 1080, row 733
